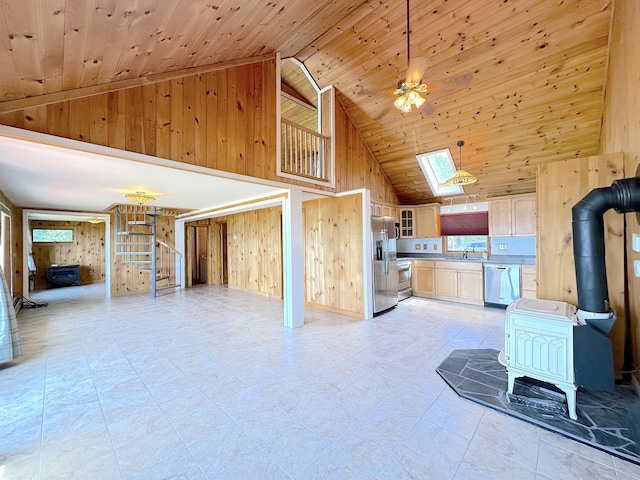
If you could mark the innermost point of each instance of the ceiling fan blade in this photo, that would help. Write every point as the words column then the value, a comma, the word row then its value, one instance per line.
column 417, row 67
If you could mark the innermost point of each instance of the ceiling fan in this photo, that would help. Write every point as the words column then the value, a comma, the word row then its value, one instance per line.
column 409, row 90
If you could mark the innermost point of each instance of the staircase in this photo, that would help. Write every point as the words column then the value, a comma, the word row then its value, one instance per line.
column 136, row 243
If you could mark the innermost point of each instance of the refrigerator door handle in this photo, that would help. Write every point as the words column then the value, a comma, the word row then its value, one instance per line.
column 385, row 252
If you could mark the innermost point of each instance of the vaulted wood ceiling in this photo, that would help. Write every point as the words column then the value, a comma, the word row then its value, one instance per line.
column 520, row 81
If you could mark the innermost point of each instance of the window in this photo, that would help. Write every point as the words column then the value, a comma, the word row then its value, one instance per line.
column 470, row 243
column 52, row 235
column 437, row 167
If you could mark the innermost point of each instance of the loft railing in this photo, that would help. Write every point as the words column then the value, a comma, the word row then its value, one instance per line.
column 304, row 152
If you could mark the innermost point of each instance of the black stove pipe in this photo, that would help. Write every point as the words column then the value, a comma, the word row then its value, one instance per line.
column 588, row 239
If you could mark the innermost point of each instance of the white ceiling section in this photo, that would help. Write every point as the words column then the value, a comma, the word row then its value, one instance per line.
column 38, row 175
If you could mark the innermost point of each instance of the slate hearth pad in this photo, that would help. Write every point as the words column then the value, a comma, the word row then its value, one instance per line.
column 603, row 418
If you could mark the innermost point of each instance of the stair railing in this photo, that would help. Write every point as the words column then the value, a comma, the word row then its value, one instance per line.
column 136, row 243
column 169, row 266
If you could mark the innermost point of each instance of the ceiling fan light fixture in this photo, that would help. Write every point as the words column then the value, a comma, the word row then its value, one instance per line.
column 461, row 177
column 409, row 95
column 409, row 91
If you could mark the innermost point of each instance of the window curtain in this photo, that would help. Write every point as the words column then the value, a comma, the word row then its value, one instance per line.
column 472, row 223
column 10, row 343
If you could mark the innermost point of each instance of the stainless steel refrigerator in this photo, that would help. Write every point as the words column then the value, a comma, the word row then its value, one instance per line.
column 385, row 267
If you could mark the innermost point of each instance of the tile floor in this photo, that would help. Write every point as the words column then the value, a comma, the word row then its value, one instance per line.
column 207, row 383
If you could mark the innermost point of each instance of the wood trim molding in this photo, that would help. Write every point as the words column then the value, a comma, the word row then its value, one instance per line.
column 83, row 92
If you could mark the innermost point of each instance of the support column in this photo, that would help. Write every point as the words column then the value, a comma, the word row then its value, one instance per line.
column 293, row 259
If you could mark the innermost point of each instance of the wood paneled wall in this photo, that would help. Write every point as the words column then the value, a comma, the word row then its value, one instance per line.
column 225, row 119
column 561, row 185
column 87, row 250
column 15, row 245
column 333, row 254
column 254, row 246
column 356, row 166
column 621, row 132
column 221, row 119
column 126, row 279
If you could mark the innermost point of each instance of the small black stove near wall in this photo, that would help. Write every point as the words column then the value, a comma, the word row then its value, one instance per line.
column 593, row 357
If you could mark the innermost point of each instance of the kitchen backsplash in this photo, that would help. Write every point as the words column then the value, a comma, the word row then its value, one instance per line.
column 513, row 246
column 421, row 245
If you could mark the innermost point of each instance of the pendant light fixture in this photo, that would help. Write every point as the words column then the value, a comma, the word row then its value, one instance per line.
column 140, row 197
column 461, row 177
column 409, row 91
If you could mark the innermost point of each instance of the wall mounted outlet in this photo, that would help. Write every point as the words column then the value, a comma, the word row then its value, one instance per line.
column 417, row 246
column 502, row 246
column 636, row 267
column 425, row 246
column 635, row 242
column 434, row 247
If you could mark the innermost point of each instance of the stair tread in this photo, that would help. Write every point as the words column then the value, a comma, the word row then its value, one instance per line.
column 133, row 253
column 137, row 262
column 138, row 222
column 167, row 287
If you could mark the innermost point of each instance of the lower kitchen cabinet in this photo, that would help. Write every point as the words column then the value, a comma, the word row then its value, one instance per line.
column 423, row 277
column 446, row 282
column 470, row 285
column 455, row 281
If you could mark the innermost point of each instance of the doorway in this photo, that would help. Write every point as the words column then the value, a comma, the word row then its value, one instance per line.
column 198, row 261
column 222, row 249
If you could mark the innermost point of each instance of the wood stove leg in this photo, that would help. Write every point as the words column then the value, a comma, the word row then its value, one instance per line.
column 511, row 379
column 570, row 391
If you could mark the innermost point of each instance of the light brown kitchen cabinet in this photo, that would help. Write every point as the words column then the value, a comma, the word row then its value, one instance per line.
column 500, row 218
column 523, row 216
column 423, row 277
column 427, row 222
column 448, row 280
column 529, row 283
column 513, row 216
column 380, row 209
column 390, row 211
column 470, row 284
column 407, row 222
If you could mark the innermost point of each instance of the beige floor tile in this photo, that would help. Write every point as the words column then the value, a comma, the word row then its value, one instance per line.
column 207, row 383
column 557, row 463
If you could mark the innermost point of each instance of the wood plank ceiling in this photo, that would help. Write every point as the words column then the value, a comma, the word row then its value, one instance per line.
column 520, row 81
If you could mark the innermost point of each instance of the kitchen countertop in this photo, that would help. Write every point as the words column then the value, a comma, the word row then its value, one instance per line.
column 502, row 259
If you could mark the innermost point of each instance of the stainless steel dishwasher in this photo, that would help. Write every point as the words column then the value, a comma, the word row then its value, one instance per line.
column 501, row 284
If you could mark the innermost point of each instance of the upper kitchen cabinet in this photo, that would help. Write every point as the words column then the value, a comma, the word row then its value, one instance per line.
column 407, row 222
column 427, row 222
column 390, row 211
column 378, row 209
column 513, row 216
column 420, row 221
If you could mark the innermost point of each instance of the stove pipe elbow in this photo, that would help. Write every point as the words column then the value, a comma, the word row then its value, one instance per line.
column 588, row 239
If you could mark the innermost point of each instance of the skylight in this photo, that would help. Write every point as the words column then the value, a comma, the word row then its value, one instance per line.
column 437, row 167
